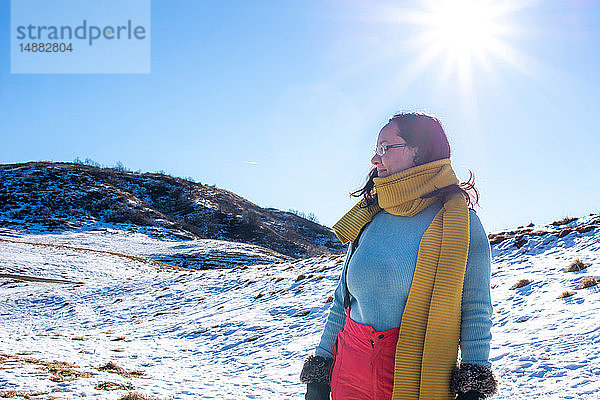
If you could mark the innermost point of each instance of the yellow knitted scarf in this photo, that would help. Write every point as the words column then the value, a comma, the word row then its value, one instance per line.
column 427, row 346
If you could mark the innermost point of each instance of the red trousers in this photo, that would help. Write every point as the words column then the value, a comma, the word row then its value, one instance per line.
column 363, row 367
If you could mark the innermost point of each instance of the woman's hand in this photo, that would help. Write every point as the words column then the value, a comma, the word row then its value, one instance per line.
column 473, row 381
column 316, row 373
column 470, row 395
column 317, row 391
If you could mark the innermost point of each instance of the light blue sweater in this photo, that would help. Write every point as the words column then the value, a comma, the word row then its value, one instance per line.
column 380, row 274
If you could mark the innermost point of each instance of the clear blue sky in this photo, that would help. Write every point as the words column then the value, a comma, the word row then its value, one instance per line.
column 281, row 101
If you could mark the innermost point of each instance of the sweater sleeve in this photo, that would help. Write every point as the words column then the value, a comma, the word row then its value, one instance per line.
column 337, row 315
column 476, row 324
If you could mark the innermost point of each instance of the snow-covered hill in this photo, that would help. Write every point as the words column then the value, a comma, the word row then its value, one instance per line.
column 42, row 196
column 242, row 332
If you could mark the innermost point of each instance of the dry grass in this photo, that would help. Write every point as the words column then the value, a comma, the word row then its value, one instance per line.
column 136, row 396
column 520, row 284
column 588, row 282
column 566, row 293
column 576, row 265
column 114, row 386
column 302, row 313
column 115, row 369
column 25, row 395
column 61, row 371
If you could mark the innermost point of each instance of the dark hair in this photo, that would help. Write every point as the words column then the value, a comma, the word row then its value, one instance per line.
column 424, row 132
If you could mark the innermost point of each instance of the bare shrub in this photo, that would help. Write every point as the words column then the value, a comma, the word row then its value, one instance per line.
column 566, row 293
column 92, row 163
column 520, row 241
column 588, row 282
column 576, row 265
column 520, row 284
column 564, row 232
column 496, row 238
column 310, row 216
column 563, row 221
column 584, row 229
column 120, row 167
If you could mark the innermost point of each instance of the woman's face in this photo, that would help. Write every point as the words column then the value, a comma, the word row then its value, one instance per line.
column 395, row 159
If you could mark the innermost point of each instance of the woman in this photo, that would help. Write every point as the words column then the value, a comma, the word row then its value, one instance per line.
column 415, row 286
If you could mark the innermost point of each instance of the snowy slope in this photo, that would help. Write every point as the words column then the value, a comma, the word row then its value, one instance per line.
column 193, row 254
column 38, row 197
column 544, row 346
column 242, row 332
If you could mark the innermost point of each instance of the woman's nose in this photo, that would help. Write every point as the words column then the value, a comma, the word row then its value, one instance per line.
column 376, row 160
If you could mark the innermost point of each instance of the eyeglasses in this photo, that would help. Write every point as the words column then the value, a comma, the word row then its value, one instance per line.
column 382, row 148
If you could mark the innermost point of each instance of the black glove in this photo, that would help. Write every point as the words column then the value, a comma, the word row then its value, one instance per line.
column 470, row 395
column 317, row 391
column 316, row 373
column 473, row 382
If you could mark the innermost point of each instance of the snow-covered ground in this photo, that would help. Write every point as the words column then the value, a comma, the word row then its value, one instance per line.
column 193, row 254
column 243, row 332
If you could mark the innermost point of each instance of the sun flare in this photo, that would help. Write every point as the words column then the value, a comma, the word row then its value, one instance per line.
column 462, row 34
column 462, row 28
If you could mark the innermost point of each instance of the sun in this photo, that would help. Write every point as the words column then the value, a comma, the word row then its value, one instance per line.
column 462, row 34
column 463, row 27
